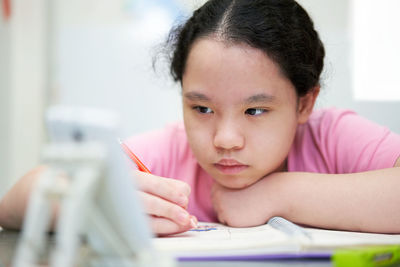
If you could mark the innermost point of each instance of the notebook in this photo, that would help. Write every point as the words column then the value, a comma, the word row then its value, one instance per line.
column 278, row 239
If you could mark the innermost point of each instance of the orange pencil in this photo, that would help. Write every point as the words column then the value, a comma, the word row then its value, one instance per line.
column 133, row 157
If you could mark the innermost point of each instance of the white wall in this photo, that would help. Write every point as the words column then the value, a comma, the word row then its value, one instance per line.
column 376, row 40
column 5, row 92
column 104, row 58
column 23, row 82
column 333, row 19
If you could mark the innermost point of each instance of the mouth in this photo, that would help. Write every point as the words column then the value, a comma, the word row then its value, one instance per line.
column 230, row 166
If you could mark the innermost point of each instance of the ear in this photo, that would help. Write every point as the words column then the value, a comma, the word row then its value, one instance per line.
column 306, row 105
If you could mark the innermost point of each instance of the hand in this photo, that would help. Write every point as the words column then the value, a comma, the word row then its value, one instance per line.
column 165, row 201
column 246, row 207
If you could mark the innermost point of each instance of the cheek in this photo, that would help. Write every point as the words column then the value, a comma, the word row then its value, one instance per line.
column 198, row 136
column 273, row 142
column 201, row 147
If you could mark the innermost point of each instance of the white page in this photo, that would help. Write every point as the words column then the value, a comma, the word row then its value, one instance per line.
column 332, row 239
column 224, row 240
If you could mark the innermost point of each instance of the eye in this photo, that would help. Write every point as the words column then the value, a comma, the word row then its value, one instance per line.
column 255, row 111
column 203, row 110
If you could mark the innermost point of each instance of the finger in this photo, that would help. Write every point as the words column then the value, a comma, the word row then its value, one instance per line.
column 193, row 221
column 143, row 178
column 162, row 208
column 221, row 219
column 170, row 189
column 162, row 226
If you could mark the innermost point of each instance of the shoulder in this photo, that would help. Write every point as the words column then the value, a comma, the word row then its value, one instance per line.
column 341, row 141
column 329, row 117
column 343, row 124
column 324, row 122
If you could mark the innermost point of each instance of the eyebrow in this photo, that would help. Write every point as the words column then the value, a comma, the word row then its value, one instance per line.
column 258, row 98
column 194, row 96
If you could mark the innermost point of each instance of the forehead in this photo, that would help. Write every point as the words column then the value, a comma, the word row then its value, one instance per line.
column 214, row 66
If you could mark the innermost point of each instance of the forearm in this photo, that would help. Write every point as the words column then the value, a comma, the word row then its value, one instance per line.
column 366, row 201
column 15, row 201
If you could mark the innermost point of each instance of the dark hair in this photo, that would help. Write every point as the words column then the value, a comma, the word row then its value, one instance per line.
column 280, row 28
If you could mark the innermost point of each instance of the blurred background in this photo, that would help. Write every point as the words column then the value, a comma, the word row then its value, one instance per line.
column 99, row 53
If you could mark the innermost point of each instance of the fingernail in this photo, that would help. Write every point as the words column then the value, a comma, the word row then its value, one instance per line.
column 193, row 223
column 183, row 217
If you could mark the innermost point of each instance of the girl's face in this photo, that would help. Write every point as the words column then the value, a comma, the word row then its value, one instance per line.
column 240, row 112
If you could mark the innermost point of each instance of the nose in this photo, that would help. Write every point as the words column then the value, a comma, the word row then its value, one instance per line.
column 228, row 136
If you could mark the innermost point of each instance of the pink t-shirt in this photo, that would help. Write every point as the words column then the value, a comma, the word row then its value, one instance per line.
column 332, row 141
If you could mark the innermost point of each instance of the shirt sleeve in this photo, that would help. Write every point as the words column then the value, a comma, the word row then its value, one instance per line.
column 356, row 144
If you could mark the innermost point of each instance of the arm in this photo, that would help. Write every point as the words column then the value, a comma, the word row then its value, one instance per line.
column 164, row 200
column 367, row 201
column 15, row 201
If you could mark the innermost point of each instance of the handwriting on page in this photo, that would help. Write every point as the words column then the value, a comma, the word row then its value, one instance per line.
column 204, row 228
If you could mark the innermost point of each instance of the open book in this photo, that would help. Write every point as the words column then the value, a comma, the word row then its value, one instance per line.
column 278, row 238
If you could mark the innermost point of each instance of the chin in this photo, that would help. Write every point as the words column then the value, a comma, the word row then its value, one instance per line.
column 234, row 183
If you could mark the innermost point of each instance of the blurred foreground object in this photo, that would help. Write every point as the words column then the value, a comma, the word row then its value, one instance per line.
column 89, row 186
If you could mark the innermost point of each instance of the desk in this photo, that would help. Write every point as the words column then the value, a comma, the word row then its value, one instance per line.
column 9, row 239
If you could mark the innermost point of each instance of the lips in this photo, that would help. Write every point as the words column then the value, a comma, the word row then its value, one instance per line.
column 230, row 166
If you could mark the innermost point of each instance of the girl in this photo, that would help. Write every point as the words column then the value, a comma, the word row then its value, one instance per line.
column 250, row 146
